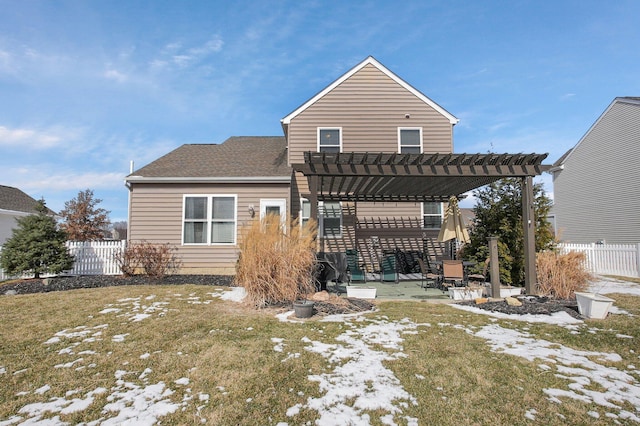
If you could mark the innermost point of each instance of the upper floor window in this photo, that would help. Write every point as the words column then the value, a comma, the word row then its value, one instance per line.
column 431, row 214
column 209, row 219
column 329, row 139
column 410, row 140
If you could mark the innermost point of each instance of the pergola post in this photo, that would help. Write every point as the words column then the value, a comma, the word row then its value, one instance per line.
column 494, row 263
column 313, row 201
column 529, row 225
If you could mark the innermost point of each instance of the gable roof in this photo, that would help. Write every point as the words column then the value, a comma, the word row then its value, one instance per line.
column 239, row 158
column 370, row 61
column 632, row 100
column 13, row 199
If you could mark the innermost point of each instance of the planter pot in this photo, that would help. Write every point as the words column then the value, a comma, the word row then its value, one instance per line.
column 505, row 291
column 303, row 308
column 464, row 293
column 592, row 305
column 361, row 292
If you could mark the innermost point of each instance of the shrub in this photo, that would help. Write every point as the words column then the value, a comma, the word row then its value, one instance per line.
column 276, row 262
column 154, row 260
column 561, row 275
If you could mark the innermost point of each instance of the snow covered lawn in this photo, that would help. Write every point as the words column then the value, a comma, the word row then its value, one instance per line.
column 193, row 355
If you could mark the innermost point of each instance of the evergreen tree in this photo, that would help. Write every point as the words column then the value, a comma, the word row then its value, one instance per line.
column 498, row 212
column 36, row 246
column 83, row 220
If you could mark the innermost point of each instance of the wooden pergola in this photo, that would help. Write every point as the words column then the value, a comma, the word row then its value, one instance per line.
column 380, row 177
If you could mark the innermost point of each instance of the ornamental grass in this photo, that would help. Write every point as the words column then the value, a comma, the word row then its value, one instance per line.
column 561, row 275
column 277, row 260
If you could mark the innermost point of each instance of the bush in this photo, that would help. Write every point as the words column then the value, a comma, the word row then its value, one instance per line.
column 154, row 260
column 561, row 275
column 276, row 262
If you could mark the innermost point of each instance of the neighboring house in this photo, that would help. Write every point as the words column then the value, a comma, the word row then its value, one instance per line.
column 14, row 204
column 369, row 156
column 596, row 183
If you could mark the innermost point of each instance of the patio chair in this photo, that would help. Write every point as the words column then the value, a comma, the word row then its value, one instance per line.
column 389, row 271
column 452, row 273
column 355, row 271
column 427, row 275
column 482, row 278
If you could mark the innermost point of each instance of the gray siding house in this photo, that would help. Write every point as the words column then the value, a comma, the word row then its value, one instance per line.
column 13, row 204
column 596, row 184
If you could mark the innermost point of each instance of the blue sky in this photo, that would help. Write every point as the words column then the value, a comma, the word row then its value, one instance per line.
column 88, row 86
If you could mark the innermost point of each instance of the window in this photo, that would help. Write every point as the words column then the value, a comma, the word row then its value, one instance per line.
column 305, row 211
column 329, row 139
column 410, row 140
column 431, row 214
column 330, row 217
column 209, row 219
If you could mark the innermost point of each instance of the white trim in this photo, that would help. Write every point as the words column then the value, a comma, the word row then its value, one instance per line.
column 238, row 179
column 319, row 129
column 209, row 219
column 279, row 202
column 370, row 61
column 400, row 129
column 15, row 212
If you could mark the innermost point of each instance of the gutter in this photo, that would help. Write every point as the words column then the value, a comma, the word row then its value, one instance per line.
column 238, row 179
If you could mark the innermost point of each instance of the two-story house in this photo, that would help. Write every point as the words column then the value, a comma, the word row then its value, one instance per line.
column 370, row 157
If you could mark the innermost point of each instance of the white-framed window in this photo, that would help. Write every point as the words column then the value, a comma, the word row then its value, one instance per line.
column 209, row 219
column 273, row 206
column 431, row 214
column 329, row 220
column 410, row 140
column 305, row 211
column 329, row 139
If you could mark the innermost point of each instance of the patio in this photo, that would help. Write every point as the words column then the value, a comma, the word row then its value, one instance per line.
column 407, row 288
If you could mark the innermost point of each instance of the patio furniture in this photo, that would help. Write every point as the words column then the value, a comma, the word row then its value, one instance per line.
column 427, row 275
column 389, row 271
column 453, row 273
column 482, row 278
column 355, row 271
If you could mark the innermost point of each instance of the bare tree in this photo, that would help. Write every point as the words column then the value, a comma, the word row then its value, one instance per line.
column 120, row 230
column 82, row 219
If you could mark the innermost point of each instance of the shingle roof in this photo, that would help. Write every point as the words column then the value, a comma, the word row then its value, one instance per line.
column 238, row 156
column 15, row 200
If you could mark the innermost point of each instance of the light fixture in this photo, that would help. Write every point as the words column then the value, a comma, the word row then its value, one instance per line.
column 252, row 211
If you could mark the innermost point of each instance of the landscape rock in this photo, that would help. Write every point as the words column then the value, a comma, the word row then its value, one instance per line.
column 512, row 301
column 481, row 300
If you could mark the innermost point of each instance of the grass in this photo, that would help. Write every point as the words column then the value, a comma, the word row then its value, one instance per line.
column 226, row 350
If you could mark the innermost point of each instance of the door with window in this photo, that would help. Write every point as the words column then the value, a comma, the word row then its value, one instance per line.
column 273, row 206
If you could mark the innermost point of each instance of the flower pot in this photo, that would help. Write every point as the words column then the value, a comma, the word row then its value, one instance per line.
column 592, row 305
column 505, row 291
column 465, row 293
column 303, row 308
column 361, row 292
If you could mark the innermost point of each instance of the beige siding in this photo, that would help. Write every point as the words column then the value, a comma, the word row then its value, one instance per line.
column 156, row 216
column 369, row 107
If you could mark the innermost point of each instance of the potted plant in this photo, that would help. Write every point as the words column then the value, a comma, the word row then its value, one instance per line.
column 593, row 305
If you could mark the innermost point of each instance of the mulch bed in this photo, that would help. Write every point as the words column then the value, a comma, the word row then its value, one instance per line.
column 534, row 305
column 96, row 281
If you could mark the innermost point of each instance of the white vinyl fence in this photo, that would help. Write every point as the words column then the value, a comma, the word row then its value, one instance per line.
column 91, row 258
column 609, row 259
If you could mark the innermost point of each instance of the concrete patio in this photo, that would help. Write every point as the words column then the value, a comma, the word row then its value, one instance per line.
column 408, row 288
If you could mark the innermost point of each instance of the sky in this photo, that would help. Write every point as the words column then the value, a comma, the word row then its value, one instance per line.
column 87, row 87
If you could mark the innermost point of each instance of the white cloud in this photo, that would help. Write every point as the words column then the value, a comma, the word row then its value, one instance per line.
column 35, row 138
column 176, row 53
column 113, row 74
column 41, row 181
